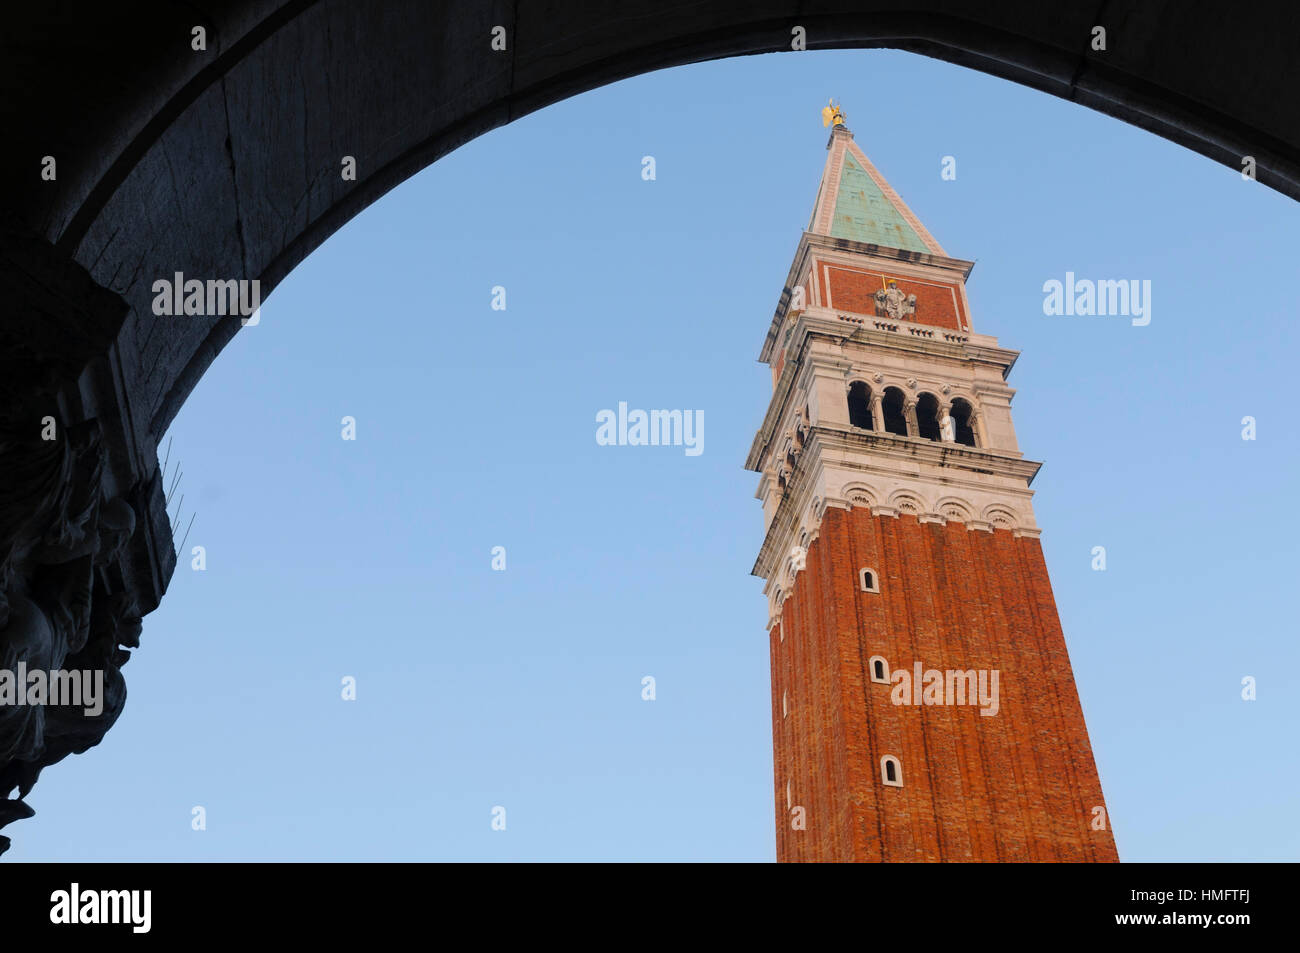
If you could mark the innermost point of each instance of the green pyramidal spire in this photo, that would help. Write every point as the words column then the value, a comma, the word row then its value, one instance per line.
column 855, row 202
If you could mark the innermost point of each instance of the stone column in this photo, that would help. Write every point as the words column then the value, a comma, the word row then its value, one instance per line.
column 909, row 412
column 877, row 411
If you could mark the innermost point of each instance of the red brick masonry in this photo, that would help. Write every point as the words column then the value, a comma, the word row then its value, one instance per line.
column 1020, row 785
column 853, row 290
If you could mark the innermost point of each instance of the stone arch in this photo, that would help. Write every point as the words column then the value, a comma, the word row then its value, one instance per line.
column 1000, row 516
column 269, row 58
column 255, row 201
column 893, row 402
column 963, row 414
column 927, row 415
column 859, row 494
column 952, row 508
column 777, row 600
column 908, row 502
column 860, row 399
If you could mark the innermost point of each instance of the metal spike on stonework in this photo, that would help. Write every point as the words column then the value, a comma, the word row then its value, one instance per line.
column 167, row 457
column 175, row 480
column 181, row 548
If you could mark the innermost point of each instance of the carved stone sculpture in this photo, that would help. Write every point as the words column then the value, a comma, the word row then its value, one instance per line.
column 57, row 531
column 892, row 302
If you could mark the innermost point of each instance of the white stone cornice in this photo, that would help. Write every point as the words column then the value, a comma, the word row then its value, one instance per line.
column 847, row 253
column 904, row 335
column 895, row 476
column 976, row 460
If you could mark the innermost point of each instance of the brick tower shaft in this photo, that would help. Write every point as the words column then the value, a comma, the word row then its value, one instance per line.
column 923, row 703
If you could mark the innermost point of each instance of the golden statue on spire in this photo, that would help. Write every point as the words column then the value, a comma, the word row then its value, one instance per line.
column 832, row 115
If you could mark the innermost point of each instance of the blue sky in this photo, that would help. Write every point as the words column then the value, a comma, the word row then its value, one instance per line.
column 475, row 428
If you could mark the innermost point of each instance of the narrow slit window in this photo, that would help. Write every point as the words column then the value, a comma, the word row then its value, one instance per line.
column 891, row 771
column 869, row 581
column 879, row 669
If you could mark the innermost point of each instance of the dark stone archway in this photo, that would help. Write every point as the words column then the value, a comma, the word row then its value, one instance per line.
column 225, row 163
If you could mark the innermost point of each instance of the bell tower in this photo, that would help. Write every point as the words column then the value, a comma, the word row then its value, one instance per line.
column 923, row 705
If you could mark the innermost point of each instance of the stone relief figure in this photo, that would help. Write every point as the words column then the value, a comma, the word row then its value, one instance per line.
column 892, row 302
column 947, row 428
column 56, row 532
column 798, row 559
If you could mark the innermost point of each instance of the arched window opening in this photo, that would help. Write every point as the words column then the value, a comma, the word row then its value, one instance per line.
column 879, row 669
column 927, row 416
column 891, row 771
column 964, row 432
column 860, row 406
column 895, row 421
column 869, row 581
